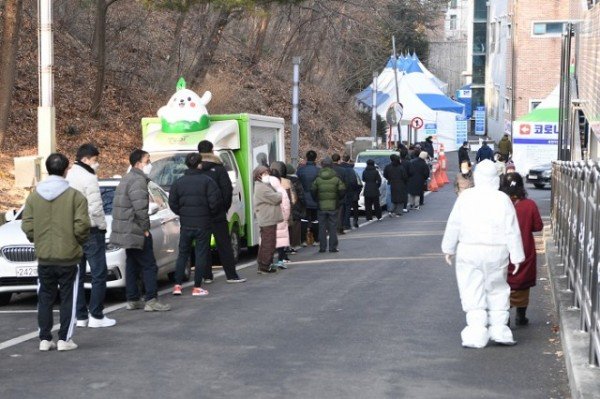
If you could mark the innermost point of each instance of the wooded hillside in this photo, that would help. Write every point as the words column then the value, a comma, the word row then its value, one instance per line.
column 117, row 61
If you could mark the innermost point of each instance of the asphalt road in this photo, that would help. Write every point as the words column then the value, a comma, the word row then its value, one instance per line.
column 380, row 319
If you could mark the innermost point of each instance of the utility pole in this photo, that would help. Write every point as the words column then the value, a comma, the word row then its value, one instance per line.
column 374, row 110
column 46, row 110
column 295, row 101
column 396, row 81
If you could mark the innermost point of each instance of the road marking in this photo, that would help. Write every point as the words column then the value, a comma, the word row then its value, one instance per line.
column 337, row 260
column 26, row 337
column 23, row 311
column 400, row 234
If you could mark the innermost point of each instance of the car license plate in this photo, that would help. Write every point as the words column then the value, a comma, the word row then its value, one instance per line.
column 27, row 272
column 532, row 177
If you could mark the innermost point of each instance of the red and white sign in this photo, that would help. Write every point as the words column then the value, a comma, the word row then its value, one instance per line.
column 416, row 122
column 525, row 129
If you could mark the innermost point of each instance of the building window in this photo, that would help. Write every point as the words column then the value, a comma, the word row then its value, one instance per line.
column 453, row 3
column 479, row 38
column 493, row 37
column 508, row 30
column 507, row 105
column 554, row 28
column 533, row 104
column 452, row 22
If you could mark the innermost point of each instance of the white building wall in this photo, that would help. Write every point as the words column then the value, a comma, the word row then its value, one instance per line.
column 499, row 47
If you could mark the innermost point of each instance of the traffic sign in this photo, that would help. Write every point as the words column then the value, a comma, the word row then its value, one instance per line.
column 394, row 114
column 416, row 122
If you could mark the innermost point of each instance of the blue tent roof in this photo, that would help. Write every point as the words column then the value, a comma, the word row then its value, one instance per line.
column 412, row 67
column 440, row 102
column 366, row 97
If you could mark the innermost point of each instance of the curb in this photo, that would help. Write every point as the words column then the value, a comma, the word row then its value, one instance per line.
column 584, row 380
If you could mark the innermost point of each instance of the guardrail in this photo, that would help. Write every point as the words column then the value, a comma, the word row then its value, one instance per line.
column 576, row 229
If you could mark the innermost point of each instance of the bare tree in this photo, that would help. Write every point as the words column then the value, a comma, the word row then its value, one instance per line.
column 11, row 22
column 100, row 54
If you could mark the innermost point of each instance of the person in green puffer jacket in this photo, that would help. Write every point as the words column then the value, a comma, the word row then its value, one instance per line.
column 56, row 221
column 328, row 190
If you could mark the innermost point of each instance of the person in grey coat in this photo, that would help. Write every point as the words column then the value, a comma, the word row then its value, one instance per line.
column 131, row 230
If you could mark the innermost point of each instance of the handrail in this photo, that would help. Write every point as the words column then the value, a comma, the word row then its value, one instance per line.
column 576, row 230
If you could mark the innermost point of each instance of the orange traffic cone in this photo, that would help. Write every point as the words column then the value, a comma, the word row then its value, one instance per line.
column 438, row 177
column 443, row 165
column 433, row 185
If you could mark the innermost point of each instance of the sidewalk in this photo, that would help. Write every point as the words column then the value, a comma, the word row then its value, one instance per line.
column 584, row 380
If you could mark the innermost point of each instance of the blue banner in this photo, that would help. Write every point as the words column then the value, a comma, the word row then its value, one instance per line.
column 480, row 120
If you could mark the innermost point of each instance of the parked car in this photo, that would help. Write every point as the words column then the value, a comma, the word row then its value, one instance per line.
column 380, row 157
column 18, row 263
column 540, row 176
column 359, row 168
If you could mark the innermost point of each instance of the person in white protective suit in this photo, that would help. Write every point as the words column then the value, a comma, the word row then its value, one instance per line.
column 482, row 231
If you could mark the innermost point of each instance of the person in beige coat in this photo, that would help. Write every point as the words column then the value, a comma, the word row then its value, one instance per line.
column 268, row 213
column 464, row 179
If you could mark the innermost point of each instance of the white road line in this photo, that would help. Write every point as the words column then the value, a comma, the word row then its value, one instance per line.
column 23, row 311
column 26, row 337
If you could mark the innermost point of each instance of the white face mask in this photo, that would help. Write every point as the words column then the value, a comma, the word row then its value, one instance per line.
column 464, row 170
column 95, row 166
column 265, row 179
column 147, row 169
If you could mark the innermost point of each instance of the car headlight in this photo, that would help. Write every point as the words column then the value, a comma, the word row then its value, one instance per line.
column 110, row 247
column 547, row 173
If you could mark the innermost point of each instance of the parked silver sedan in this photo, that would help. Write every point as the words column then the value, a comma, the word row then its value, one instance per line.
column 18, row 263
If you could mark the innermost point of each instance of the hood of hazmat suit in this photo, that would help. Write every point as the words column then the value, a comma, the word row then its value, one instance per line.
column 483, row 231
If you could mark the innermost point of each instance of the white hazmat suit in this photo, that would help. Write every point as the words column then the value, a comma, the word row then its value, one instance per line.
column 482, row 231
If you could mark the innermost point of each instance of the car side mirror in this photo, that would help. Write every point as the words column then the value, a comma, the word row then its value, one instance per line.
column 153, row 208
column 9, row 216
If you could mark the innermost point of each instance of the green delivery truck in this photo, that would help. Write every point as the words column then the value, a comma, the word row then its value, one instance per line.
column 241, row 141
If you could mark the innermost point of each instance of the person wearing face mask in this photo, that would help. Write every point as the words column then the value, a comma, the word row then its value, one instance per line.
column 131, row 230
column 267, row 208
column 82, row 177
column 464, row 179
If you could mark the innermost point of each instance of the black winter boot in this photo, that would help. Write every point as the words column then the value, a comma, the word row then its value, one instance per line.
column 521, row 320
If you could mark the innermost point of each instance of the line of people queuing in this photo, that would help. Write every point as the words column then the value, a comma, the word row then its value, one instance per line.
column 64, row 218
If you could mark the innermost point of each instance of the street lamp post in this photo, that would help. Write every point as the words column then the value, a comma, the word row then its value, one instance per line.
column 295, row 101
column 46, row 110
column 374, row 110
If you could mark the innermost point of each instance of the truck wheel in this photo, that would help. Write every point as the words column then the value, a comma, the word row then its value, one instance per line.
column 235, row 243
column 539, row 185
column 5, row 298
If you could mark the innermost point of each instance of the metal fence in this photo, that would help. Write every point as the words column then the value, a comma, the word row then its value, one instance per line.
column 576, row 228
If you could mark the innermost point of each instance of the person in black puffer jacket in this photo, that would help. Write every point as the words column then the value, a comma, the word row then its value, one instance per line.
column 417, row 178
column 307, row 174
column 196, row 198
column 396, row 175
column 213, row 167
column 372, row 180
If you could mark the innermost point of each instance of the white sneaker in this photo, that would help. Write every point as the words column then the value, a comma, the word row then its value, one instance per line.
column 103, row 322
column 208, row 280
column 66, row 345
column 46, row 345
column 82, row 323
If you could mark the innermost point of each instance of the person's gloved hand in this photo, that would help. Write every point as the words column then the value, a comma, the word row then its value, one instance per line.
column 517, row 265
column 448, row 258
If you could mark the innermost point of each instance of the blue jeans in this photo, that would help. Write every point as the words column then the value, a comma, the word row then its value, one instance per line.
column 141, row 261
column 94, row 253
column 202, row 251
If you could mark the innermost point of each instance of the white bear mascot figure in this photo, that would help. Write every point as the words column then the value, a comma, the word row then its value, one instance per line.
column 186, row 111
